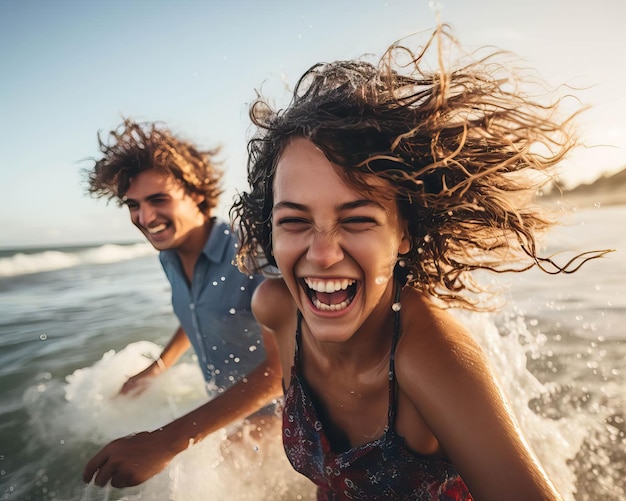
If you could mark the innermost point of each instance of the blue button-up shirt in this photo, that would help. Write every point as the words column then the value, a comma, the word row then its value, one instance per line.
column 215, row 311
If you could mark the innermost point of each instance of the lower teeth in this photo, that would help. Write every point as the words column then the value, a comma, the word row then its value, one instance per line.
column 330, row 307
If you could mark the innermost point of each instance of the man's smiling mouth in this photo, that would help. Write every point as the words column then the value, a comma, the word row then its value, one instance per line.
column 156, row 229
column 331, row 294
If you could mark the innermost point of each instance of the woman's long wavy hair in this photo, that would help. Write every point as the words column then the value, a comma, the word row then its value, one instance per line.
column 463, row 149
column 135, row 147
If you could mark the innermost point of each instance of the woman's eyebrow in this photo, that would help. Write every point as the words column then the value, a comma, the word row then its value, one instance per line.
column 353, row 204
column 285, row 204
column 363, row 202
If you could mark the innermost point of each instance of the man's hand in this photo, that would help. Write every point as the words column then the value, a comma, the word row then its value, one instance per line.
column 129, row 461
column 136, row 384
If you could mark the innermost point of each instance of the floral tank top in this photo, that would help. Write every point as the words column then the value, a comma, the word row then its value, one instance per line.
column 382, row 469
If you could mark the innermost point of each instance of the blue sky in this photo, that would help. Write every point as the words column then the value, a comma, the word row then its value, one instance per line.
column 69, row 68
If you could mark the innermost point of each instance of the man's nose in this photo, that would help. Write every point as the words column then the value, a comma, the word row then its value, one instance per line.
column 145, row 215
column 325, row 249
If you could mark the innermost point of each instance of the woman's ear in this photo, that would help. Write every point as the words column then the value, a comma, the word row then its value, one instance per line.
column 405, row 243
column 405, row 246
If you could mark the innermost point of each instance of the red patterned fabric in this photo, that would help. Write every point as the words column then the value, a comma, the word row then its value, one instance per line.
column 383, row 469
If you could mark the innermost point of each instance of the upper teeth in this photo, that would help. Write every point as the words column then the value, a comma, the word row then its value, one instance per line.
column 156, row 229
column 328, row 285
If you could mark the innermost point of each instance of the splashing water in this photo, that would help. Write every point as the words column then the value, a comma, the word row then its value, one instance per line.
column 242, row 468
column 236, row 463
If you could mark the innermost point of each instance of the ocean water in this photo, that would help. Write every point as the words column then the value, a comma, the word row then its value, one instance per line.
column 76, row 321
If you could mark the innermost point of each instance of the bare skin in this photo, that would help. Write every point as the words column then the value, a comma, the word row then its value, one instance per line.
column 449, row 402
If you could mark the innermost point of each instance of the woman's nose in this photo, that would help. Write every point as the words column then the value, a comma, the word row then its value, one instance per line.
column 325, row 250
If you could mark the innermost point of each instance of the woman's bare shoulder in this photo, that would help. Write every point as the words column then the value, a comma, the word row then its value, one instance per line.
column 272, row 304
column 432, row 333
column 437, row 357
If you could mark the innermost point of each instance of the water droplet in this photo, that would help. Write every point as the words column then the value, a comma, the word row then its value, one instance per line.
column 380, row 280
column 232, row 311
column 43, row 337
column 252, row 348
column 223, row 279
column 237, row 360
column 435, row 5
column 214, row 283
column 597, row 204
column 242, row 288
column 402, row 263
column 226, row 232
column 427, row 238
column 396, row 306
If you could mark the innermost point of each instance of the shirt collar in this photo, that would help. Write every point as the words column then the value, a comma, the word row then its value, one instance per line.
column 215, row 247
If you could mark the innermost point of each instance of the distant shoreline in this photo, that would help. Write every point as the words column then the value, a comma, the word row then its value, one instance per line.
column 586, row 201
column 606, row 191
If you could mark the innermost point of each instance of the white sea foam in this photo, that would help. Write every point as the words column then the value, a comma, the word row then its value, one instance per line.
column 227, row 464
column 22, row 263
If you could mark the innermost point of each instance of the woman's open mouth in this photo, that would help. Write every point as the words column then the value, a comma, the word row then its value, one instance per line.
column 331, row 294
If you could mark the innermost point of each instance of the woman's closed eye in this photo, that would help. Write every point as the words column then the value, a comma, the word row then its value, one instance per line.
column 293, row 223
column 358, row 223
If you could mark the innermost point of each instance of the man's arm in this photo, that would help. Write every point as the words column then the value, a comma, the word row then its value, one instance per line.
column 134, row 459
column 178, row 345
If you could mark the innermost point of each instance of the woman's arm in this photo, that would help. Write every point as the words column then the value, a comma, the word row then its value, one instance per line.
column 446, row 376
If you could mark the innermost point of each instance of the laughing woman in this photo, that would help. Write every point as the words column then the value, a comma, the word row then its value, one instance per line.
column 375, row 193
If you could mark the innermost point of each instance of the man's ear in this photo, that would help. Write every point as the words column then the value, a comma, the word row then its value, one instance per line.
column 198, row 198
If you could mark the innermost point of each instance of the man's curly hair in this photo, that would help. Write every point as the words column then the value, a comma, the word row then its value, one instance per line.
column 463, row 150
column 136, row 147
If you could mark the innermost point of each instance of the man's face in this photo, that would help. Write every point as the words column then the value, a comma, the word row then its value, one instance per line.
column 162, row 210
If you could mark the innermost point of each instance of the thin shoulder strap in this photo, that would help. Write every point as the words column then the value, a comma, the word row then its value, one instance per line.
column 391, row 413
column 296, row 355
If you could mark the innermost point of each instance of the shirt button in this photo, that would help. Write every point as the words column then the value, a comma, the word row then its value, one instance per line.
column 192, row 306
